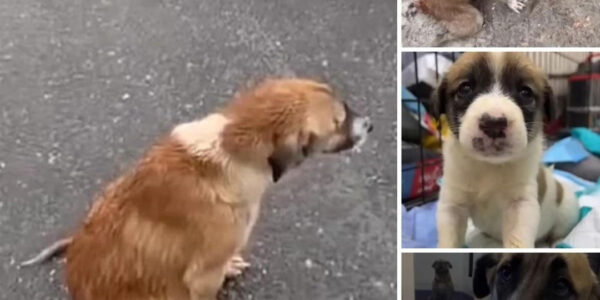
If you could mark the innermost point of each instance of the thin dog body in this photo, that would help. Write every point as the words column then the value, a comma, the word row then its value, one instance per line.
column 442, row 287
column 460, row 17
column 494, row 104
column 548, row 276
column 174, row 226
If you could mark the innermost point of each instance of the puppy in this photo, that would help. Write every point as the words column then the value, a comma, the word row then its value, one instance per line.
column 173, row 227
column 535, row 276
column 460, row 17
column 442, row 288
column 494, row 104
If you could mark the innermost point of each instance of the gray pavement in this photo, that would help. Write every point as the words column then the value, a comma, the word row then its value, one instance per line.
column 543, row 23
column 87, row 86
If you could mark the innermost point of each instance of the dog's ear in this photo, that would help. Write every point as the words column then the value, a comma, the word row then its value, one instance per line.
column 435, row 264
column 438, row 99
column 449, row 265
column 481, row 286
column 550, row 104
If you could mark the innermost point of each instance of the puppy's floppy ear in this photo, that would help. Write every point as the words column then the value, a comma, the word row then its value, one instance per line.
column 550, row 104
column 481, row 286
column 449, row 265
column 438, row 99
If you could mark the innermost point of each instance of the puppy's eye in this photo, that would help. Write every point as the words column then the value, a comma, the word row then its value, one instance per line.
column 505, row 273
column 465, row 89
column 561, row 287
column 526, row 94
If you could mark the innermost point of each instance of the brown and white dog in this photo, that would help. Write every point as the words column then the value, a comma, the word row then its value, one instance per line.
column 173, row 227
column 459, row 17
column 494, row 104
column 548, row 276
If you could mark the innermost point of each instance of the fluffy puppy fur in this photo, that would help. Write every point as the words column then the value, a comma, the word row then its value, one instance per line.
column 546, row 276
column 494, row 104
column 460, row 17
column 173, row 227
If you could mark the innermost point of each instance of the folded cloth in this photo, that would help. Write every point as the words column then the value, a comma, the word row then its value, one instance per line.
column 588, row 138
column 566, row 150
column 419, row 226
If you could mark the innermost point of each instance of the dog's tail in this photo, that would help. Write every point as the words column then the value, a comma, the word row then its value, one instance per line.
column 56, row 248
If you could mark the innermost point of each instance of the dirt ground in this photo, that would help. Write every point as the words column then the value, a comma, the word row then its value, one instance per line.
column 543, row 23
column 87, row 86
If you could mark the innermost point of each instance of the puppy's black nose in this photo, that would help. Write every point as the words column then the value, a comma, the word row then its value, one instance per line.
column 493, row 127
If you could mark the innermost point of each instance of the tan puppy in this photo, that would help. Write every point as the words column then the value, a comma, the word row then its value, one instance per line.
column 460, row 17
column 548, row 276
column 173, row 227
column 494, row 104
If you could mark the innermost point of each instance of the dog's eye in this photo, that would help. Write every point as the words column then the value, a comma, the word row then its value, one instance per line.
column 526, row 93
column 465, row 89
column 561, row 287
column 505, row 273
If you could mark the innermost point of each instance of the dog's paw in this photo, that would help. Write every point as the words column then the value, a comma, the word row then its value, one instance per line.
column 516, row 5
column 236, row 266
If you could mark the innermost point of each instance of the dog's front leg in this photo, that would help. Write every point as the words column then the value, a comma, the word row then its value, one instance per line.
column 452, row 216
column 204, row 284
column 520, row 221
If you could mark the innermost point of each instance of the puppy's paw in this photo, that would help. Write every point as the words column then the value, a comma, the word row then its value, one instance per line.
column 516, row 5
column 514, row 242
column 235, row 266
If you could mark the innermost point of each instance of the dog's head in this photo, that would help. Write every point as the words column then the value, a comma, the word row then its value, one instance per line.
column 288, row 120
column 535, row 276
column 441, row 266
column 494, row 103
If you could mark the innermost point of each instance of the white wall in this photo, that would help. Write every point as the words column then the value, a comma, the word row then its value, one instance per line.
column 408, row 277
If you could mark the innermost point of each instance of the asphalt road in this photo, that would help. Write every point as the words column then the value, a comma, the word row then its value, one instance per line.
column 87, row 86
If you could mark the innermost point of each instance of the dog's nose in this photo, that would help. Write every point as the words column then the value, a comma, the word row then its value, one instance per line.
column 493, row 127
column 368, row 124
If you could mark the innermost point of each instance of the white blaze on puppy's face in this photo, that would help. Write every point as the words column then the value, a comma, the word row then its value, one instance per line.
column 493, row 128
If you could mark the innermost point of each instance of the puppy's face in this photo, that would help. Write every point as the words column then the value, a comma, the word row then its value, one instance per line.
column 494, row 103
column 535, row 276
column 441, row 266
column 292, row 119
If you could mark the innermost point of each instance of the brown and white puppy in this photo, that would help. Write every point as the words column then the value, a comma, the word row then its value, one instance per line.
column 460, row 17
column 494, row 104
column 548, row 276
column 442, row 287
column 173, row 227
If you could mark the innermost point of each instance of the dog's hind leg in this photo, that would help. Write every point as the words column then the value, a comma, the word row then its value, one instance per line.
column 567, row 214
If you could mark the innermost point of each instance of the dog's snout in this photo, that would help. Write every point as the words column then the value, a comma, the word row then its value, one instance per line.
column 368, row 125
column 493, row 127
